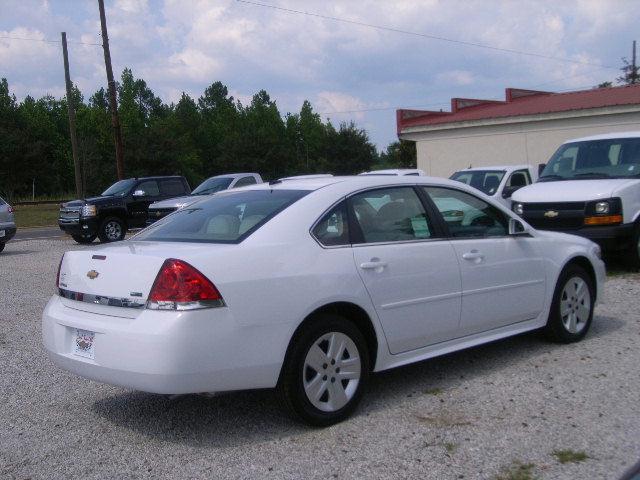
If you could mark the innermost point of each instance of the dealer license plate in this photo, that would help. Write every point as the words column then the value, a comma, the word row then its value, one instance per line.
column 83, row 344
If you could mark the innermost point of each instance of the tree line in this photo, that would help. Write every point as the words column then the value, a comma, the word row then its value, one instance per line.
column 196, row 138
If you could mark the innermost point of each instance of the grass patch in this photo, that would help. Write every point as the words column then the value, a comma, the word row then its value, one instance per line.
column 450, row 447
column 570, row 456
column 36, row 215
column 433, row 391
column 518, row 471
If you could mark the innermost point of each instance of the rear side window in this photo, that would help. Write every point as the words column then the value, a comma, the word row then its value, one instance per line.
column 390, row 215
column 333, row 229
column 172, row 187
column 245, row 181
column 227, row 217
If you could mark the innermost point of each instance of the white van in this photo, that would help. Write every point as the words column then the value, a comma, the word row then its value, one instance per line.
column 497, row 182
column 590, row 187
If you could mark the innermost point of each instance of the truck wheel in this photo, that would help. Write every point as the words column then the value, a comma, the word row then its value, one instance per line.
column 84, row 239
column 635, row 248
column 112, row 229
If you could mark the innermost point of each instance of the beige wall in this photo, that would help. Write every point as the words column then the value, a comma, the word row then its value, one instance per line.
column 442, row 152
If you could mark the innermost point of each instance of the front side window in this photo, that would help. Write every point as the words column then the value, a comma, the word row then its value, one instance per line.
column 119, row 189
column 467, row 215
column 149, row 187
column 519, row 179
column 245, row 181
column 487, row 181
column 212, row 185
column 610, row 158
column 228, row 217
column 333, row 229
column 390, row 215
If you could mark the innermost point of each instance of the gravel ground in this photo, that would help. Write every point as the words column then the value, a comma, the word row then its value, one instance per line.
column 472, row 414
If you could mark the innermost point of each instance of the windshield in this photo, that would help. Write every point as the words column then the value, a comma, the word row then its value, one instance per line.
column 119, row 189
column 212, row 185
column 228, row 217
column 487, row 181
column 612, row 158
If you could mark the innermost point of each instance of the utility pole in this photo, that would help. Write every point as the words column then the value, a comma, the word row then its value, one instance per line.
column 113, row 104
column 634, row 72
column 72, row 118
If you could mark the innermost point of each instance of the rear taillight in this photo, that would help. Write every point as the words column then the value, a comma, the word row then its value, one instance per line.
column 58, row 274
column 179, row 286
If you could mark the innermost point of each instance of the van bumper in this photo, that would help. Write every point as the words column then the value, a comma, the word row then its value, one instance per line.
column 610, row 238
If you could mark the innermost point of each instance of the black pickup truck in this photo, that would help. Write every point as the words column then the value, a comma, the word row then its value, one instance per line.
column 122, row 206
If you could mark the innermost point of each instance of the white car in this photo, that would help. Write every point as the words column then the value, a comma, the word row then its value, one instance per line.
column 590, row 187
column 161, row 209
column 310, row 285
column 416, row 172
column 499, row 182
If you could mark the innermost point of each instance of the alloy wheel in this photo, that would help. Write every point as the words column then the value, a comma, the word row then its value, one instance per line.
column 331, row 371
column 113, row 230
column 575, row 305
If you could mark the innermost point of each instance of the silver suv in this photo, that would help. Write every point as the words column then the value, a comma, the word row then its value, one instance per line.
column 7, row 223
column 210, row 186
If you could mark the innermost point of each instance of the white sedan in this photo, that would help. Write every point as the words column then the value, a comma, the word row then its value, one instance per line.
column 309, row 285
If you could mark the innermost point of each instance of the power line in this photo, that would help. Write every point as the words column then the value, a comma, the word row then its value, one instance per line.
column 418, row 34
column 45, row 40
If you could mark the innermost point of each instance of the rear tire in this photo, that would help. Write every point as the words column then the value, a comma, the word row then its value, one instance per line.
column 571, row 311
column 112, row 229
column 326, row 371
column 84, row 239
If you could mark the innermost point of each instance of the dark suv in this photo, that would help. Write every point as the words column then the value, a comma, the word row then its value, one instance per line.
column 122, row 206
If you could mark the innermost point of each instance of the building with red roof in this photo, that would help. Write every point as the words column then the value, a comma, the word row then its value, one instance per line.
column 524, row 128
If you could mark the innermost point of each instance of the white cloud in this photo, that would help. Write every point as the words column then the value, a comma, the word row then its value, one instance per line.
column 456, row 77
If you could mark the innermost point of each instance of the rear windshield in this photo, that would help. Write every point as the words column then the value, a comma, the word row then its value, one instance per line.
column 487, row 181
column 227, row 217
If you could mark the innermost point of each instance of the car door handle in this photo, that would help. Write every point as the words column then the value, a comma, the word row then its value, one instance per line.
column 373, row 265
column 473, row 255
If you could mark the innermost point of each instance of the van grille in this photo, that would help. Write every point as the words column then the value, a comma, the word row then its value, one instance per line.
column 570, row 215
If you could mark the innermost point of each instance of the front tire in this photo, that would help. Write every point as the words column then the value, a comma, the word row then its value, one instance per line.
column 326, row 371
column 572, row 307
column 634, row 251
column 84, row 239
column 112, row 229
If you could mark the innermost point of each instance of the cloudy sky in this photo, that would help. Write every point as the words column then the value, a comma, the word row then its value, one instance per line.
column 348, row 71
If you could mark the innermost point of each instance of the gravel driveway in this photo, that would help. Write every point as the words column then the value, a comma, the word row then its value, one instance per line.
column 495, row 411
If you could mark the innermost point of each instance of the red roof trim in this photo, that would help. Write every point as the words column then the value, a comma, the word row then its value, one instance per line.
column 520, row 102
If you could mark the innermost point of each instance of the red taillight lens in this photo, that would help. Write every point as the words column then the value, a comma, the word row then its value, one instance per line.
column 58, row 274
column 179, row 286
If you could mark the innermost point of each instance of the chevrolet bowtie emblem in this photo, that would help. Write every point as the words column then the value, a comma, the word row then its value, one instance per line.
column 92, row 274
column 551, row 214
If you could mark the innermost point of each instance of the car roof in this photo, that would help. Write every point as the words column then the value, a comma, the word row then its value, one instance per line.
column 495, row 167
column 606, row 136
column 393, row 171
column 234, row 175
column 156, row 177
column 356, row 181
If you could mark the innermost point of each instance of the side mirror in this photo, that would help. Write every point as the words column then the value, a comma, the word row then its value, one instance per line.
column 517, row 228
column 541, row 168
column 139, row 193
column 508, row 191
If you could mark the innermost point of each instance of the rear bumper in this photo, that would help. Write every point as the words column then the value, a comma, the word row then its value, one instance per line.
column 166, row 352
column 83, row 226
column 9, row 231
